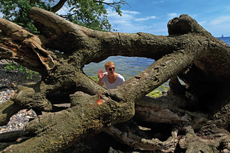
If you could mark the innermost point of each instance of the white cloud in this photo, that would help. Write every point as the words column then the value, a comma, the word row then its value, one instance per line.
column 219, row 26
column 128, row 21
column 146, row 18
column 127, row 16
column 129, row 12
column 202, row 23
column 172, row 15
column 109, row 1
column 161, row 1
column 220, row 20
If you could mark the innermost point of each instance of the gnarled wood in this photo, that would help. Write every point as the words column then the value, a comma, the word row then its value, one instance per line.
column 142, row 143
column 61, row 50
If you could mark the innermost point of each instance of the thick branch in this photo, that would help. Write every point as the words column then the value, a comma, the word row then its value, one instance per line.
column 175, row 55
column 8, row 109
column 160, row 71
column 57, row 131
column 144, row 144
column 166, row 109
column 28, row 98
column 99, row 45
column 32, row 2
column 58, row 6
column 29, row 53
column 201, row 143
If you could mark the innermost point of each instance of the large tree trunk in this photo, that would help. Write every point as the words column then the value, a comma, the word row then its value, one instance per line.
column 195, row 115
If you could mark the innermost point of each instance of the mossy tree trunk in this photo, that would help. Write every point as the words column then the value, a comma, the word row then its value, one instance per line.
column 59, row 53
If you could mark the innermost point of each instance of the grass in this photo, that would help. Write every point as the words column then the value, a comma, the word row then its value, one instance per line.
column 17, row 67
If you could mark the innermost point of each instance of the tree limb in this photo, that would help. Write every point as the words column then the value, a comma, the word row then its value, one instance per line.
column 144, row 144
column 58, row 6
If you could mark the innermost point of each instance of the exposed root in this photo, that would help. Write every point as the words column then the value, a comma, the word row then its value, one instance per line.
column 209, row 139
column 141, row 143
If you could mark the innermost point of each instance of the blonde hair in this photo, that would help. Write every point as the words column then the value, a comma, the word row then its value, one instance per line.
column 108, row 64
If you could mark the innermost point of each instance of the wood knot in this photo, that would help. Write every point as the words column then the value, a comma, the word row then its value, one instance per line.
column 137, row 77
column 99, row 100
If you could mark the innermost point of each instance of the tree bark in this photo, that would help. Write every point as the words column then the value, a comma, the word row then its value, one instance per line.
column 58, row 6
column 59, row 54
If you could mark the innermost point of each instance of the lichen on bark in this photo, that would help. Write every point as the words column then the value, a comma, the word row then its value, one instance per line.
column 192, row 111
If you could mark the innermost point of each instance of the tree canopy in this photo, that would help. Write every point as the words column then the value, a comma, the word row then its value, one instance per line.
column 88, row 13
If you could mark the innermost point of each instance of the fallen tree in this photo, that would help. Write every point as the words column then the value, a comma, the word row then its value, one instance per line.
column 192, row 117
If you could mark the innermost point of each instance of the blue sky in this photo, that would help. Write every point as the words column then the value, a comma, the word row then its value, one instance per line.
column 152, row 16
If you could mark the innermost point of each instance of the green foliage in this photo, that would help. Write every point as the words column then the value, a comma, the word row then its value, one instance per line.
column 94, row 78
column 17, row 12
column 155, row 94
column 89, row 14
column 86, row 13
column 13, row 67
column 158, row 91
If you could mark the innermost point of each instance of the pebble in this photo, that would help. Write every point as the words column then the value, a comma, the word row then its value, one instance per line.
column 8, row 87
column 18, row 120
column 6, row 93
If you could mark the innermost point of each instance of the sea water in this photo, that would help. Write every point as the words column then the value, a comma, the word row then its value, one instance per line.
column 127, row 66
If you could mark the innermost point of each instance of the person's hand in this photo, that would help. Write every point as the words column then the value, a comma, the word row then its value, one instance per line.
column 100, row 74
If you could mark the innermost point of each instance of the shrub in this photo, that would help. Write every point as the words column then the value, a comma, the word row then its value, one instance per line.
column 17, row 67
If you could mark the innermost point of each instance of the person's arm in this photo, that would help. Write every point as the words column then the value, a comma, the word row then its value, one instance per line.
column 100, row 82
column 101, row 76
column 123, row 79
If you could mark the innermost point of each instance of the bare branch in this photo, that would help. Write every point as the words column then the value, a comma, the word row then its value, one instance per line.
column 123, row 2
column 58, row 6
